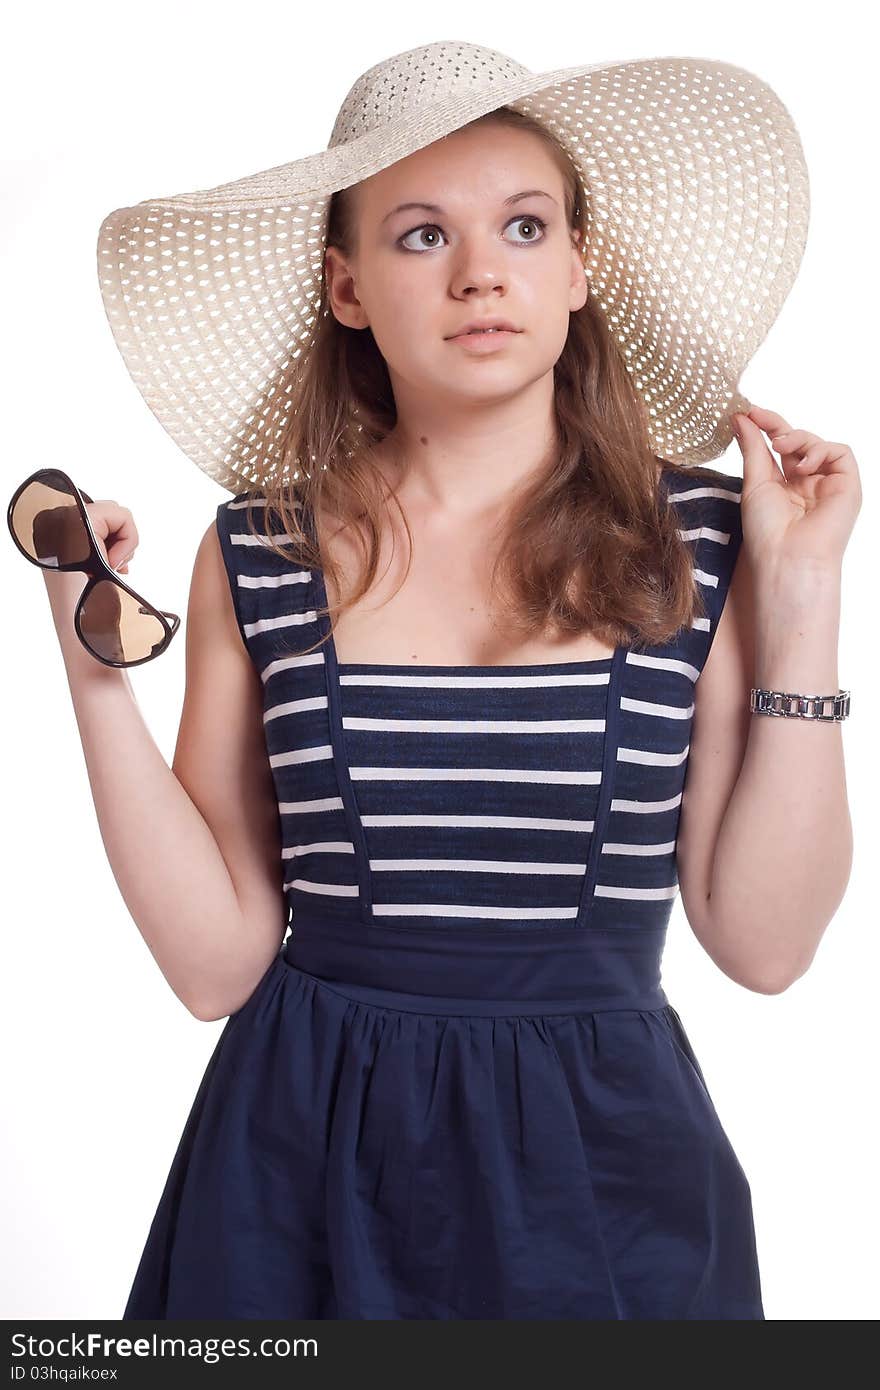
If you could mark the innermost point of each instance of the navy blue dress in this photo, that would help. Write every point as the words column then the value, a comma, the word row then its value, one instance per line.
column 460, row 1091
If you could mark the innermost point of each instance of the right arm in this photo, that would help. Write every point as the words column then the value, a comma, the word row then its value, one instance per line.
column 195, row 848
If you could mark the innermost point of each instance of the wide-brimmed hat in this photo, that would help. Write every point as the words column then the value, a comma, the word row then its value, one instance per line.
column 698, row 206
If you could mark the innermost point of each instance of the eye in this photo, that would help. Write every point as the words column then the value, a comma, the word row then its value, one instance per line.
column 531, row 222
column 432, row 227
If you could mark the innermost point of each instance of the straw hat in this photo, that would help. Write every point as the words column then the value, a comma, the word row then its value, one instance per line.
column 698, row 200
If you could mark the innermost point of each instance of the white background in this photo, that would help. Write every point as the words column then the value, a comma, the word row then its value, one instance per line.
column 108, row 104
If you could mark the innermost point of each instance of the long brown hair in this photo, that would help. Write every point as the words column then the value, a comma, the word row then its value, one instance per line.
column 588, row 546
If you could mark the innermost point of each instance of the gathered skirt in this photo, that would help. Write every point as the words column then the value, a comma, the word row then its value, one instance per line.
column 356, row 1151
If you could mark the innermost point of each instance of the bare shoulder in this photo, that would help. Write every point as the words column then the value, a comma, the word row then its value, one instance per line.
column 221, row 758
column 211, row 621
column 719, row 735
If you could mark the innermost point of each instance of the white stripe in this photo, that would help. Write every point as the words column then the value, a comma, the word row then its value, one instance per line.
column 482, row 822
column 274, row 624
column 295, row 707
column 475, row 866
column 704, row 490
column 245, row 538
column 301, row 755
column 485, row 911
column 273, row 581
column 663, row 663
column 475, row 681
column 462, row 910
column 476, row 726
column 705, row 533
column 646, row 808
column 636, row 894
column 660, row 711
column 333, row 890
column 472, row 774
column 703, row 577
column 287, row 663
column 322, row 803
column 646, row 756
column 666, row 848
column 318, row 847
column 504, row 822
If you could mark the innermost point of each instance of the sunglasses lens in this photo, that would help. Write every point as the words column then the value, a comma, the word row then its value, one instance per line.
column 48, row 525
column 117, row 626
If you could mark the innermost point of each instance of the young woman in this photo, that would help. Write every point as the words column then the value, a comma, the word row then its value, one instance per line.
column 457, row 372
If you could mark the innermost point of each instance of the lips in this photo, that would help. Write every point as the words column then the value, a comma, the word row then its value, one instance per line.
column 484, row 326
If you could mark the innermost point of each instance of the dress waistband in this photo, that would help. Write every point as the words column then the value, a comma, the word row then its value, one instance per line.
column 479, row 970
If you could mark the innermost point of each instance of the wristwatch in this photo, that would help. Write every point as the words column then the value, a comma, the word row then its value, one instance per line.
column 789, row 706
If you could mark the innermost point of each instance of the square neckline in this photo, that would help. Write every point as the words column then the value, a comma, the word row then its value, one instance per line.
column 518, row 668
column 515, row 668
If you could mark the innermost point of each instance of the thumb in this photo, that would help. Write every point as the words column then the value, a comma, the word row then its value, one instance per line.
column 758, row 462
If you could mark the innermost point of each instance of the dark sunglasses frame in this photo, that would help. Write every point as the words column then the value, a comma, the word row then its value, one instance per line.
column 95, row 566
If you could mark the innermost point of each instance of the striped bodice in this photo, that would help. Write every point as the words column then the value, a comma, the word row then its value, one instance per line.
column 463, row 796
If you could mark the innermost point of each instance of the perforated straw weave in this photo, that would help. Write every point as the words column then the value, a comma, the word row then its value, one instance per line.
column 698, row 199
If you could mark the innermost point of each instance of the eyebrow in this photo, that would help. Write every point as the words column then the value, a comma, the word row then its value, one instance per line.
column 434, row 208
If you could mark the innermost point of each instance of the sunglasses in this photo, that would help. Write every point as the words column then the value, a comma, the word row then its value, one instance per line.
column 50, row 525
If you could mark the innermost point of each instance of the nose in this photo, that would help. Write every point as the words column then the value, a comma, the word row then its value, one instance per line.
column 478, row 285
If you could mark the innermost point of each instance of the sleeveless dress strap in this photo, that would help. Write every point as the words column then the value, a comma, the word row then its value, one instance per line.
column 271, row 592
column 710, row 522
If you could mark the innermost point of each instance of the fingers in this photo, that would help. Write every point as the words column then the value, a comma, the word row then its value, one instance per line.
column 122, row 567
column 768, row 420
column 818, row 456
column 787, row 442
column 812, row 458
column 116, row 532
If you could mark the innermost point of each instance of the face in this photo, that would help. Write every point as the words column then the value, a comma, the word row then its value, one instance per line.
column 420, row 274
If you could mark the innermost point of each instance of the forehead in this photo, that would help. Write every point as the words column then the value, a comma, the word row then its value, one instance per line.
column 474, row 166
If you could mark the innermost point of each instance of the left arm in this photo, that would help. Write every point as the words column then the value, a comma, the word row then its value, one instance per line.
column 766, row 838
column 783, row 852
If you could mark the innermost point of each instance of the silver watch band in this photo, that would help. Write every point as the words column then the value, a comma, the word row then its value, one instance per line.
column 789, row 706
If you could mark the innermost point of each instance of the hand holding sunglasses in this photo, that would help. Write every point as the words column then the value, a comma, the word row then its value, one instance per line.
column 49, row 523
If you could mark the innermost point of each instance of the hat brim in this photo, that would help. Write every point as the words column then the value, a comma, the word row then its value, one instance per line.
column 695, row 243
